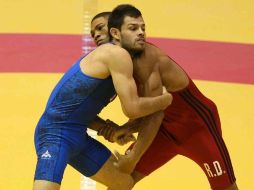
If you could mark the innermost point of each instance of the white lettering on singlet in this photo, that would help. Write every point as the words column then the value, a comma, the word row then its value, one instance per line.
column 215, row 170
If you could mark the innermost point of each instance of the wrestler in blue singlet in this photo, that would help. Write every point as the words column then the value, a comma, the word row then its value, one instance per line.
column 61, row 137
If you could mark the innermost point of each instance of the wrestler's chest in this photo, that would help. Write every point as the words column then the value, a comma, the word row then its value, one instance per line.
column 148, row 83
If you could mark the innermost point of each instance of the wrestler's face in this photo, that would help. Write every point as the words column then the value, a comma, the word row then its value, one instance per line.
column 133, row 34
column 99, row 30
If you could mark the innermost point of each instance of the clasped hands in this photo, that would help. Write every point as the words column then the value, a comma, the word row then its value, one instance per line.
column 121, row 135
column 115, row 133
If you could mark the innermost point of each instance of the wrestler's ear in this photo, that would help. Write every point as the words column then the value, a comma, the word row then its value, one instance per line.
column 115, row 33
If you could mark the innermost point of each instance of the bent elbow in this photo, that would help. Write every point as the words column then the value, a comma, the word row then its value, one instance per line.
column 132, row 113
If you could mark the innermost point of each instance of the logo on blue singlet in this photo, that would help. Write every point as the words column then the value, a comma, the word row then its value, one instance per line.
column 46, row 155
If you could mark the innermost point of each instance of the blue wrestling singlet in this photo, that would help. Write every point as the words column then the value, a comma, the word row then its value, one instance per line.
column 61, row 137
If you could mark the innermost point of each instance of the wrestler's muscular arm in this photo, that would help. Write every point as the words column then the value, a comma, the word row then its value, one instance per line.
column 166, row 73
column 172, row 75
column 147, row 126
column 173, row 78
column 121, row 69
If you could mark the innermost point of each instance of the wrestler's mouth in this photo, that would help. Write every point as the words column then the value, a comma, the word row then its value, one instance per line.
column 141, row 40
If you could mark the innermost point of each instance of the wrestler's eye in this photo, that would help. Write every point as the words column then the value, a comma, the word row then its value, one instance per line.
column 143, row 28
column 100, row 27
column 132, row 28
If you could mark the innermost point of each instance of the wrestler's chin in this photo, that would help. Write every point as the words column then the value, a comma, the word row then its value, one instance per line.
column 140, row 46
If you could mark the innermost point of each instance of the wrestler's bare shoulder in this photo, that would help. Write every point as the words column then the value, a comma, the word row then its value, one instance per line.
column 110, row 50
column 173, row 76
column 153, row 50
column 154, row 53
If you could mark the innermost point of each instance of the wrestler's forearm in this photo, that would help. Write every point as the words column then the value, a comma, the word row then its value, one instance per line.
column 149, row 105
column 147, row 132
column 133, row 126
column 97, row 124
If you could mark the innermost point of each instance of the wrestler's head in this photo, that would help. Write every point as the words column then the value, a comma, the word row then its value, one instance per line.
column 99, row 28
column 126, row 27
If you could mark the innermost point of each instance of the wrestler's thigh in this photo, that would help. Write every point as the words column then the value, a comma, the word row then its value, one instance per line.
column 209, row 151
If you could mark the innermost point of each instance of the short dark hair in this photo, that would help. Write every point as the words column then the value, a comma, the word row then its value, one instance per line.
column 102, row 14
column 118, row 14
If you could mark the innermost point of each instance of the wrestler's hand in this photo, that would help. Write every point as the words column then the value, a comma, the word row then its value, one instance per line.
column 108, row 131
column 124, row 139
column 113, row 133
column 125, row 163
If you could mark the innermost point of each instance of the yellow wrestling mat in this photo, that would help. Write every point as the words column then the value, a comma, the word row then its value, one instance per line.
column 23, row 99
column 23, row 96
